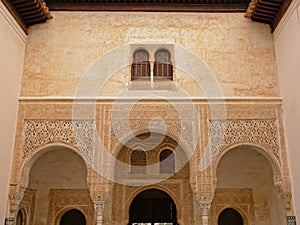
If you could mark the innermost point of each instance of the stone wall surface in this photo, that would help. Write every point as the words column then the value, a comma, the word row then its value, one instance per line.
column 238, row 52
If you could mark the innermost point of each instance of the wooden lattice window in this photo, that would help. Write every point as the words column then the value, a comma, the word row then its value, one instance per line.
column 138, row 161
column 163, row 68
column 140, row 68
column 167, row 161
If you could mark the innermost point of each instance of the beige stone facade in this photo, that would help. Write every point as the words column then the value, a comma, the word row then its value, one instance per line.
column 252, row 126
column 81, row 117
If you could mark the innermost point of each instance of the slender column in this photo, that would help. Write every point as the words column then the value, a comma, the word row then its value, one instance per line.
column 16, row 193
column 205, row 207
column 99, row 207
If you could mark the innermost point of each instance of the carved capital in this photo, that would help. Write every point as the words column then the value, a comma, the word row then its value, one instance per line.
column 99, row 207
column 205, row 207
column 16, row 194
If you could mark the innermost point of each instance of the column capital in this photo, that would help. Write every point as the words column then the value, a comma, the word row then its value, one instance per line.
column 205, row 207
column 99, row 206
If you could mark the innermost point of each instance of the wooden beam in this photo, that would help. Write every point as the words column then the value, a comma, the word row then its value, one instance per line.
column 15, row 14
column 149, row 7
column 280, row 14
column 265, row 11
column 275, row 9
column 263, row 15
column 261, row 19
column 270, row 3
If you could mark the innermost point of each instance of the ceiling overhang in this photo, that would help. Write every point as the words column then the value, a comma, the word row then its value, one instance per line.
column 30, row 12
column 268, row 11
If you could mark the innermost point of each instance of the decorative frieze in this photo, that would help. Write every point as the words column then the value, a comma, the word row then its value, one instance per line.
column 76, row 133
column 225, row 133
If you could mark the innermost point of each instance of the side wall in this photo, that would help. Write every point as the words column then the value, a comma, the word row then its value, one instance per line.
column 287, row 47
column 12, row 45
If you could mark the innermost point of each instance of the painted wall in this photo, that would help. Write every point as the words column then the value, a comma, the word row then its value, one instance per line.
column 12, row 45
column 287, row 47
column 238, row 52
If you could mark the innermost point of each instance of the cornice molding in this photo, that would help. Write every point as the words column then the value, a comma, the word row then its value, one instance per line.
column 111, row 100
column 12, row 22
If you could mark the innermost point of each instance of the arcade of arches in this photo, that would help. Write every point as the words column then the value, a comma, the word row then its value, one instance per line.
column 155, row 179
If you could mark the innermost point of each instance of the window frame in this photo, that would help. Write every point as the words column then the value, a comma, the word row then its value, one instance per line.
column 140, row 69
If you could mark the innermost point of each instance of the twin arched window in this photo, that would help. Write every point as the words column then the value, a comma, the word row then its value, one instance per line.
column 138, row 161
column 141, row 69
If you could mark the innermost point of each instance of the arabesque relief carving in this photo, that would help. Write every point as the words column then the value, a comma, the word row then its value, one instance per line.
column 263, row 132
column 80, row 134
column 74, row 132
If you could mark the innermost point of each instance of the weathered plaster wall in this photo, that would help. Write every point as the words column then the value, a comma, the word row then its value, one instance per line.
column 287, row 46
column 12, row 45
column 238, row 52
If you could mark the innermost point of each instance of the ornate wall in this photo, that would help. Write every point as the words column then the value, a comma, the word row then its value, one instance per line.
column 77, row 94
column 42, row 126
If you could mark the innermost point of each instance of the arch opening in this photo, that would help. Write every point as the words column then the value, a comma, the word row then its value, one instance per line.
column 55, row 173
column 71, row 217
column 230, row 216
column 152, row 207
column 244, row 173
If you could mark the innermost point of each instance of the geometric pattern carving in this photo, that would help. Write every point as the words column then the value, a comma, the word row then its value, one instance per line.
column 224, row 133
column 61, row 199
column 240, row 199
column 78, row 133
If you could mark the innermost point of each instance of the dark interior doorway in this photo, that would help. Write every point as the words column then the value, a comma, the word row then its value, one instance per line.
column 230, row 216
column 73, row 217
column 152, row 207
column 20, row 219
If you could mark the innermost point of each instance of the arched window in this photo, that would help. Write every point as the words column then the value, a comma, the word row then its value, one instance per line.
column 230, row 216
column 140, row 68
column 167, row 161
column 72, row 217
column 138, row 161
column 163, row 68
column 21, row 217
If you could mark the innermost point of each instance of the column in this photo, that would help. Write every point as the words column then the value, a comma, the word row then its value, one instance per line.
column 205, row 207
column 99, row 208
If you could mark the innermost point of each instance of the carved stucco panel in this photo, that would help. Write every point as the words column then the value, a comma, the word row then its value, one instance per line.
column 263, row 132
column 73, row 132
column 241, row 199
column 61, row 200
